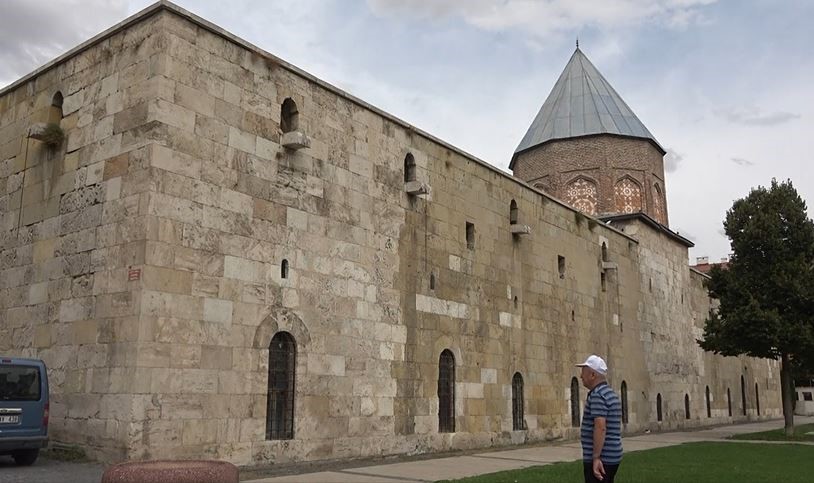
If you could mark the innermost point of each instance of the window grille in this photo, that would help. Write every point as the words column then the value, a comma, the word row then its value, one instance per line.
column 625, row 418
column 446, row 392
column 658, row 408
column 518, row 420
column 280, row 402
column 575, row 419
column 686, row 406
column 709, row 406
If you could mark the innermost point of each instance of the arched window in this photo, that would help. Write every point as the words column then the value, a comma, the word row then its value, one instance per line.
column 757, row 401
column 280, row 402
column 581, row 193
column 627, row 196
column 284, row 269
column 729, row 401
column 658, row 407
column 575, row 419
column 446, row 392
column 409, row 168
column 518, row 421
column 743, row 396
column 55, row 111
column 658, row 204
column 513, row 212
column 709, row 406
column 625, row 417
column 432, row 281
column 605, row 252
column 686, row 406
column 289, row 116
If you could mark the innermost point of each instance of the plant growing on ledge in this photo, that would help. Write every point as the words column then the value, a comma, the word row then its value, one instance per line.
column 53, row 135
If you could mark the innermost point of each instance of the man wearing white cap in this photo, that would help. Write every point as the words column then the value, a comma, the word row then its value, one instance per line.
column 601, row 431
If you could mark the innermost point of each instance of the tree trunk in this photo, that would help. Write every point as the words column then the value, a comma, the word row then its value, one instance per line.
column 786, row 392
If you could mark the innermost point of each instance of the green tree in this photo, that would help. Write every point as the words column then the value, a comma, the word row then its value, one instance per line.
column 766, row 293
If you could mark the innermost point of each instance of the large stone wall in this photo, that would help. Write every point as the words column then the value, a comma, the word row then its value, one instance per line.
column 185, row 205
column 672, row 317
column 72, row 225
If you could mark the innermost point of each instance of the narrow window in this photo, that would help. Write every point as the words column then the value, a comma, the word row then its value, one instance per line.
column 658, row 204
column 515, row 301
column 513, row 212
column 470, row 235
column 625, row 417
column 729, row 401
column 604, row 252
column 651, row 285
column 289, row 116
column 561, row 265
column 409, row 168
column 603, row 281
column 280, row 402
column 518, row 421
column 432, row 281
column 446, row 392
column 686, row 406
column 55, row 111
column 709, row 406
column 743, row 396
column 575, row 419
column 757, row 401
column 573, row 316
column 658, row 407
column 284, row 269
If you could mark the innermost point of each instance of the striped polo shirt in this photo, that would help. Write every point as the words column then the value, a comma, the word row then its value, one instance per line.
column 602, row 402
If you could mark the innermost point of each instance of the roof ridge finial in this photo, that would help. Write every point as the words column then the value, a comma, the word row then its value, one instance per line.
column 577, row 42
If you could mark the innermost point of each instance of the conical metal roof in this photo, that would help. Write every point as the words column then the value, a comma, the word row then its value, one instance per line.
column 582, row 103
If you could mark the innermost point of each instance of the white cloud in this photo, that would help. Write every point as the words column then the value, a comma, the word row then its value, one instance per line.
column 671, row 160
column 754, row 116
column 32, row 32
column 540, row 18
column 742, row 162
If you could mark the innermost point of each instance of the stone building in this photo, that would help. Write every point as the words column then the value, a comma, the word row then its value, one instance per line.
column 227, row 257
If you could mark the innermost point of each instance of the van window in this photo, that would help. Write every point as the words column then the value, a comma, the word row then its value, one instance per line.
column 19, row 383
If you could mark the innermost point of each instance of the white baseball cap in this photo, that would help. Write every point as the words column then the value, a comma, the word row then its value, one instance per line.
column 596, row 363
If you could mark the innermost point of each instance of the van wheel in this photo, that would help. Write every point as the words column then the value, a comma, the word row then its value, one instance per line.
column 25, row 457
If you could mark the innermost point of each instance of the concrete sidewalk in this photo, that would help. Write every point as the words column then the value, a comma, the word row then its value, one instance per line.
column 454, row 467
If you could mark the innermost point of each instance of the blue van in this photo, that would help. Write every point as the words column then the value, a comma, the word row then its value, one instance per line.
column 23, row 409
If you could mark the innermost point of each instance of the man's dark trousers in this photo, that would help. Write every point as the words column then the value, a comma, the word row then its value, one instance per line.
column 610, row 472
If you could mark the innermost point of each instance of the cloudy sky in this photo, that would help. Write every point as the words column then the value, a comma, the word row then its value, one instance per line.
column 727, row 87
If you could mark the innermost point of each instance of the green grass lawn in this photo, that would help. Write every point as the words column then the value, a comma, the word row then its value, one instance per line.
column 690, row 462
column 779, row 434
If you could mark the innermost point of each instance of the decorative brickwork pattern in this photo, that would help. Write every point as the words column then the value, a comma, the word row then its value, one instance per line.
column 581, row 194
column 628, row 196
column 658, row 205
column 603, row 159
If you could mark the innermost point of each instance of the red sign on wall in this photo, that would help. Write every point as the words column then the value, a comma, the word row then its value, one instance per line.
column 134, row 274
